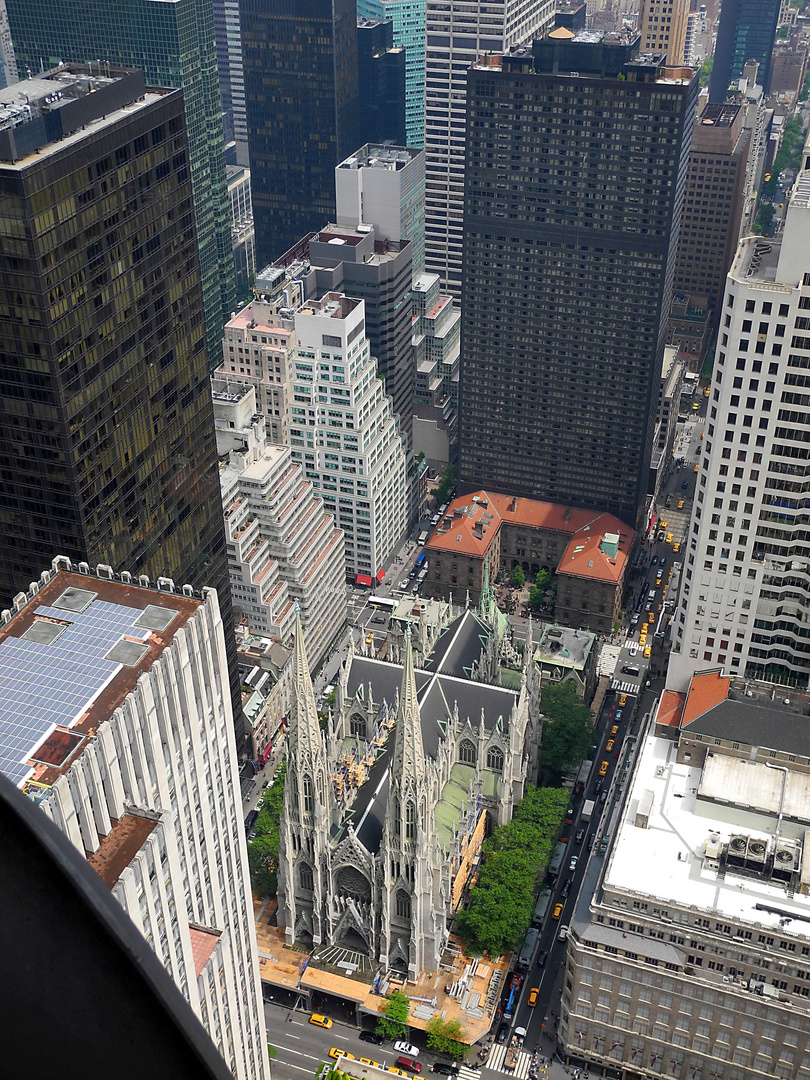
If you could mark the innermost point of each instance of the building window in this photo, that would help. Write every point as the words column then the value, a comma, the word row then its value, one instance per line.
column 403, row 904
column 307, row 785
column 495, row 759
column 466, row 752
column 410, row 820
column 358, row 725
column 305, row 877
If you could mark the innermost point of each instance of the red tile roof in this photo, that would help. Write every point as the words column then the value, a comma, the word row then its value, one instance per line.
column 471, row 523
column 203, row 943
column 670, row 709
column 707, row 689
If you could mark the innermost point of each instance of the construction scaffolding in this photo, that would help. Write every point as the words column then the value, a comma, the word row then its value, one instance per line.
column 352, row 767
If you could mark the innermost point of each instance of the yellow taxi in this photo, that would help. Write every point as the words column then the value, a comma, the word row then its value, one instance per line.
column 603, row 768
column 622, row 700
column 680, row 504
column 669, row 538
column 337, row 1052
column 645, row 627
column 609, row 745
column 320, row 1020
column 663, row 524
column 642, row 640
column 676, row 547
column 706, row 393
column 534, row 994
column 614, row 730
column 695, row 407
column 658, row 581
column 696, row 469
column 558, row 910
column 368, row 1061
column 648, row 651
column 369, row 639
column 651, row 616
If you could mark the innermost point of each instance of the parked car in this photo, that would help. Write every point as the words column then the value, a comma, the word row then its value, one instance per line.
column 503, row 1032
column 403, row 1047
column 410, row 1064
column 443, row 1069
column 371, row 1037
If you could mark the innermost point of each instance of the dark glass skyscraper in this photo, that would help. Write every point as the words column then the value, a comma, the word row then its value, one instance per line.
column 300, row 64
column 574, row 180
column 381, row 83
column 172, row 41
column 107, row 444
column 746, row 32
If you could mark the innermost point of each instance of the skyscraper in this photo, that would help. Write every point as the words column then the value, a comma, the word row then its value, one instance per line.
column 173, row 42
column 381, row 83
column 713, row 204
column 300, row 65
column 663, row 26
column 408, row 17
column 746, row 32
column 107, row 448
column 115, row 719
column 456, row 36
column 576, row 161
column 744, row 605
column 231, row 75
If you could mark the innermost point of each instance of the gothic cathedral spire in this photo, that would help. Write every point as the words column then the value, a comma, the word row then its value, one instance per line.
column 408, row 762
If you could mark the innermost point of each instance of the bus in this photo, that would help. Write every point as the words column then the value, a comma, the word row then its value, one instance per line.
column 422, row 538
column 527, row 950
column 383, row 602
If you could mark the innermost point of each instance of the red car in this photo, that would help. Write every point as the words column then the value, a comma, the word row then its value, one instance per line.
column 409, row 1064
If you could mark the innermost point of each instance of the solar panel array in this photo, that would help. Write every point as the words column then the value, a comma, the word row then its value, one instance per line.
column 43, row 686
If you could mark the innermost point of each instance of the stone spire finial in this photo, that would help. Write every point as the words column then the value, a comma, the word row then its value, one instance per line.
column 409, row 753
column 306, row 729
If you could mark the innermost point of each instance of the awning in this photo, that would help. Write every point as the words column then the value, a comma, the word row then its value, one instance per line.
column 380, row 575
column 364, row 579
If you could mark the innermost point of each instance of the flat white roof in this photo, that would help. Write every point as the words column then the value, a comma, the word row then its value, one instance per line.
column 666, row 860
column 752, row 784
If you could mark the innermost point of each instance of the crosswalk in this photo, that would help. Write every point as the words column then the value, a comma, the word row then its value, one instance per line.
column 495, row 1061
column 624, row 687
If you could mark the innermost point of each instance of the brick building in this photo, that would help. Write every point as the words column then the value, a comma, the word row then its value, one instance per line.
column 585, row 549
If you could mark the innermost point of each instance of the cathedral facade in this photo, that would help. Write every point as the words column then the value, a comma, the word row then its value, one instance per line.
column 384, row 811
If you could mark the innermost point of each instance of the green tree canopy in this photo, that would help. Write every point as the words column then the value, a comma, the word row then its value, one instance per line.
column 705, row 72
column 567, row 730
column 263, row 849
column 789, row 154
column 393, row 1022
column 446, row 483
column 518, row 578
column 538, row 590
column 447, row 1037
column 515, row 859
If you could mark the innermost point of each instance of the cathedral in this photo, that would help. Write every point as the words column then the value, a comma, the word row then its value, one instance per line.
column 385, row 811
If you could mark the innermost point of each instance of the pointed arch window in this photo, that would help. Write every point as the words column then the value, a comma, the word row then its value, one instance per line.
column 305, row 877
column 403, row 904
column 308, row 801
column 466, row 752
column 410, row 820
column 495, row 759
column 358, row 725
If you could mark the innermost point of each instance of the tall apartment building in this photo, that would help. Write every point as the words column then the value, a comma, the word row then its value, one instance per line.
column 115, row 719
column 747, row 31
column 259, row 348
column 713, row 205
column 367, row 265
column 408, row 17
column 344, row 432
column 174, row 45
column 747, row 587
column 106, row 429
column 300, row 66
column 663, row 28
column 228, row 34
column 384, row 186
column 568, row 268
column 457, row 35
column 283, row 547
column 381, row 83
column 697, row 42
column 688, row 948
column 436, row 343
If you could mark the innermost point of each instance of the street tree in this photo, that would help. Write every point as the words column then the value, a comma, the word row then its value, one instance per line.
column 263, row 849
column 567, row 730
column 447, row 1037
column 393, row 1022
column 518, row 577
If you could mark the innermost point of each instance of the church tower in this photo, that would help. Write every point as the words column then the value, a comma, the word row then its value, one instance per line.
column 412, row 929
column 308, row 805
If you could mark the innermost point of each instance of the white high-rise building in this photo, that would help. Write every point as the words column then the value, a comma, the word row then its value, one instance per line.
column 745, row 600
column 344, row 433
column 283, row 546
column 458, row 33
column 115, row 718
